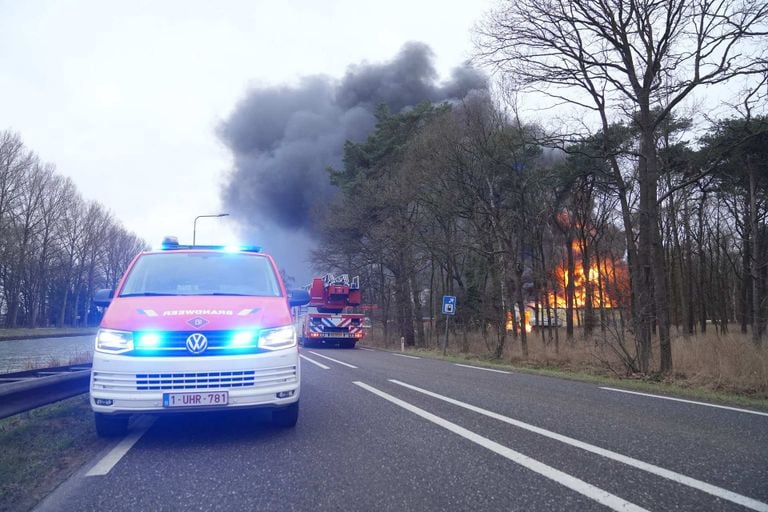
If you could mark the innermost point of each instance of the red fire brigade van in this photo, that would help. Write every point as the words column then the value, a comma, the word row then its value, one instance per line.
column 196, row 328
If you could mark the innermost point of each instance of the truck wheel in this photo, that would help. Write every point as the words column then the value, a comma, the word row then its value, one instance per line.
column 286, row 417
column 111, row 425
column 348, row 344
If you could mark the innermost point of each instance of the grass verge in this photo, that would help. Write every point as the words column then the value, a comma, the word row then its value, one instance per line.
column 635, row 384
column 44, row 332
column 42, row 448
column 74, row 358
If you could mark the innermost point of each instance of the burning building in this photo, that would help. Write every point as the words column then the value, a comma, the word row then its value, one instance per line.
column 602, row 283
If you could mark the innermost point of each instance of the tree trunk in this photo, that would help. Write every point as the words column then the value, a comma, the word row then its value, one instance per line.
column 569, row 288
column 651, row 242
column 417, row 309
column 702, row 268
column 521, row 310
column 589, row 320
column 404, row 307
column 757, row 321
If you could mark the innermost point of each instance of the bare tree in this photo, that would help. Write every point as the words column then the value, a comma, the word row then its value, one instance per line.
column 54, row 249
column 638, row 60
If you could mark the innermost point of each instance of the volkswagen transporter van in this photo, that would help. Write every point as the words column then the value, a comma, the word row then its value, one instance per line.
column 196, row 328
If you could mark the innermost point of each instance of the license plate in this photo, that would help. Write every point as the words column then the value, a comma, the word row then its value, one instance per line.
column 195, row 399
column 339, row 335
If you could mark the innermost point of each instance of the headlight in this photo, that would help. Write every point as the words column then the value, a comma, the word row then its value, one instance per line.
column 112, row 341
column 274, row 339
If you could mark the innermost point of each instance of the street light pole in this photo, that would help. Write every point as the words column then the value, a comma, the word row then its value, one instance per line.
column 194, row 224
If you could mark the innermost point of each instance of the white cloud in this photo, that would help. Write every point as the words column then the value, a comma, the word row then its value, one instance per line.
column 125, row 97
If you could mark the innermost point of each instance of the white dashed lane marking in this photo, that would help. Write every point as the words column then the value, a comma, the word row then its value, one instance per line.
column 334, row 360
column 481, row 368
column 403, row 355
column 713, row 490
column 571, row 482
column 111, row 459
column 321, row 365
column 736, row 409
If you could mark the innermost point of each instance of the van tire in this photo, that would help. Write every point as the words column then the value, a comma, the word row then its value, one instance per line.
column 111, row 425
column 286, row 417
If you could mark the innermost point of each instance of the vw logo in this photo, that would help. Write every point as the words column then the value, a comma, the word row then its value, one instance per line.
column 197, row 343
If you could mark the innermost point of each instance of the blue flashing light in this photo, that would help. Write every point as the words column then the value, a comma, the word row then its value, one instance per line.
column 225, row 248
column 170, row 242
column 242, row 339
column 148, row 340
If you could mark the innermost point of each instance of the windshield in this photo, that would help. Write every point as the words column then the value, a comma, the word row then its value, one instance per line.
column 201, row 273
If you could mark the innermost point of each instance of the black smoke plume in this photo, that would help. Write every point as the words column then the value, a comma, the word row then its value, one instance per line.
column 283, row 138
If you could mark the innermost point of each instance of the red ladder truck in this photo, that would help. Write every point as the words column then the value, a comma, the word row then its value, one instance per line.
column 322, row 321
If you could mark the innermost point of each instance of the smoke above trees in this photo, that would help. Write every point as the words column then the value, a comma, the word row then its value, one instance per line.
column 284, row 137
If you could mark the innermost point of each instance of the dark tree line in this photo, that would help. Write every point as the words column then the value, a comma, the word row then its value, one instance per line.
column 640, row 227
column 463, row 200
column 56, row 248
column 637, row 226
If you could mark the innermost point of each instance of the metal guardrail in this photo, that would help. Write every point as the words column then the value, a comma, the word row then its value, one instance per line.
column 23, row 391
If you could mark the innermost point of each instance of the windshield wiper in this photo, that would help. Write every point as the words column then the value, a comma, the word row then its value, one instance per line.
column 148, row 294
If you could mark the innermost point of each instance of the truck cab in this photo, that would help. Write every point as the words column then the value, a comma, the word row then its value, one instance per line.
column 325, row 321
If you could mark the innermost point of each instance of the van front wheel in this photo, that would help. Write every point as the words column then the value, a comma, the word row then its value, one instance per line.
column 111, row 425
column 286, row 417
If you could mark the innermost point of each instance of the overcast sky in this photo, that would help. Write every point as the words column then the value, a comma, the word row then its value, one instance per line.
column 125, row 97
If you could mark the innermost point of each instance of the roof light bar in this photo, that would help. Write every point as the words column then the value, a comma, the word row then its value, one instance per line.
column 171, row 244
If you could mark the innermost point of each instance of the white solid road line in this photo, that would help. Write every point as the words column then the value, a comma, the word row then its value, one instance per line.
column 107, row 462
column 334, row 360
column 321, row 365
column 635, row 463
column 480, row 368
column 687, row 401
column 403, row 355
column 590, row 491
column 367, row 349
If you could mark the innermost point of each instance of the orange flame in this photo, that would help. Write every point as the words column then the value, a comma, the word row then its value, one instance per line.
column 608, row 283
column 526, row 324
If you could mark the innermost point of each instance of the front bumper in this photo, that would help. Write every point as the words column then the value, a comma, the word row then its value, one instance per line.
column 137, row 384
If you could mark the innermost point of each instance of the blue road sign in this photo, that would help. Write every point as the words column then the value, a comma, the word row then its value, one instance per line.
column 449, row 305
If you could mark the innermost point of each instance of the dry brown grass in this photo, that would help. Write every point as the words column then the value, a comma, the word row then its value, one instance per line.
column 728, row 362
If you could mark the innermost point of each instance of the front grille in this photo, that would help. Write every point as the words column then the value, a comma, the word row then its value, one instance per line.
column 210, row 380
column 192, row 381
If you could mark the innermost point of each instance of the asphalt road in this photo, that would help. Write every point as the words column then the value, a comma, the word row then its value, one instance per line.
column 400, row 433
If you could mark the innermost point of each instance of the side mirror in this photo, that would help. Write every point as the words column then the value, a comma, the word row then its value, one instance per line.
column 298, row 297
column 103, row 297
